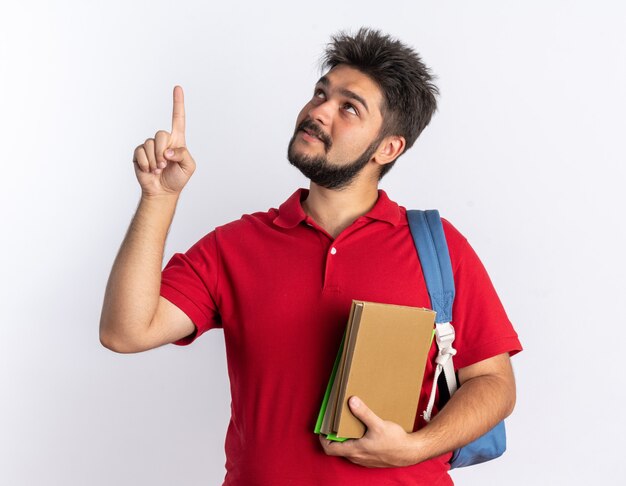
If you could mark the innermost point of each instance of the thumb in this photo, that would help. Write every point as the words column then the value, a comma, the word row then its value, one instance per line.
column 175, row 154
column 180, row 155
column 364, row 414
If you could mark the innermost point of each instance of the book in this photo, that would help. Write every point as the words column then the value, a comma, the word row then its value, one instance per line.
column 381, row 359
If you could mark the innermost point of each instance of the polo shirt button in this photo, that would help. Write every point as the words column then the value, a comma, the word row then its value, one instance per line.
column 333, row 250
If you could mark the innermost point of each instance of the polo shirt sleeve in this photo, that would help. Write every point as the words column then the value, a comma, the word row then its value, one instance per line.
column 189, row 281
column 481, row 325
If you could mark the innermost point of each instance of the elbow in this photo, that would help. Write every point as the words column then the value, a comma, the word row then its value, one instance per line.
column 116, row 344
column 511, row 399
column 108, row 342
column 510, row 406
column 111, row 344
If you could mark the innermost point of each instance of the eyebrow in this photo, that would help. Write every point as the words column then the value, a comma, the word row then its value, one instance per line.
column 324, row 81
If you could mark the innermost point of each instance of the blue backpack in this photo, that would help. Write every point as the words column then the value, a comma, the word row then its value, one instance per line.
column 432, row 251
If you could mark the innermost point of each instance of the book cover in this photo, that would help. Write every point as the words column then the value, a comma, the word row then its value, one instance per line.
column 381, row 359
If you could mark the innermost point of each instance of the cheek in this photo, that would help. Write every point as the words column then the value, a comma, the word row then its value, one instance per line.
column 354, row 139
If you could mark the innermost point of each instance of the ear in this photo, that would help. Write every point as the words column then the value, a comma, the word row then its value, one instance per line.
column 389, row 149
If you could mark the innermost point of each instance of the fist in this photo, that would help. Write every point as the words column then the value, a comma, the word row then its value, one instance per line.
column 163, row 165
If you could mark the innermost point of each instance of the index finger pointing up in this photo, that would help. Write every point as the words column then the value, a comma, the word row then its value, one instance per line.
column 178, row 113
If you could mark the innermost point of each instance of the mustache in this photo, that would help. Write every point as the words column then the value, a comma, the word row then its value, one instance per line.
column 312, row 127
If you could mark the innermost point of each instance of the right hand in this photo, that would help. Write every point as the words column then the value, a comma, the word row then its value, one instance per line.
column 161, row 174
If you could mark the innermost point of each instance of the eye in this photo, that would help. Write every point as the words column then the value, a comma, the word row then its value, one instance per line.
column 318, row 93
column 350, row 108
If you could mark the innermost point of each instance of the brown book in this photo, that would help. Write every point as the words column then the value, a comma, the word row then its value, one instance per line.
column 382, row 361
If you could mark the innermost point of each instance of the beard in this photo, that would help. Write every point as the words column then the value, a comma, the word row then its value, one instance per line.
column 319, row 170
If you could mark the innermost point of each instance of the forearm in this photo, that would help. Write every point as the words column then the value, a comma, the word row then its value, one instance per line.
column 132, row 291
column 477, row 406
column 485, row 397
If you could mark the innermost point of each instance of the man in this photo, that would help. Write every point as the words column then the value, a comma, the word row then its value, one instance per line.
column 280, row 283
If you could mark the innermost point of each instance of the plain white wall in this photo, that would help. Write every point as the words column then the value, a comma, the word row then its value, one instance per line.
column 525, row 156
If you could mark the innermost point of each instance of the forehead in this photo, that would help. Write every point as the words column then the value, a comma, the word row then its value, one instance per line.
column 346, row 78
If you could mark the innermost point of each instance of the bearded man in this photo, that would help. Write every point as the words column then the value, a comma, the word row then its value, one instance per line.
column 280, row 283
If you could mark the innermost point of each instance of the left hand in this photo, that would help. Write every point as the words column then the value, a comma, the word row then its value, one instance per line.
column 385, row 444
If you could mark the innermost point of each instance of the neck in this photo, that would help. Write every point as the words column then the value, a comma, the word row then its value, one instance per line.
column 335, row 210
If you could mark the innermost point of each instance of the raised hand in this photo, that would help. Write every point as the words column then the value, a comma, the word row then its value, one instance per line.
column 163, row 165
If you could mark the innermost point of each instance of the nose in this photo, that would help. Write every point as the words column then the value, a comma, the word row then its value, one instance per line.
column 321, row 113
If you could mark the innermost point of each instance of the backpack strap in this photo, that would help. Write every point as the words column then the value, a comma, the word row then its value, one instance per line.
column 432, row 250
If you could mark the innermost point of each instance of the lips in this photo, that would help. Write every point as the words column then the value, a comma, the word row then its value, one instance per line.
column 311, row 134
column 314, row 132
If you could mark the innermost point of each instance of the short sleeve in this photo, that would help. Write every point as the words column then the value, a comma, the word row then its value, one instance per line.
column 482, row 327
column 189, row 281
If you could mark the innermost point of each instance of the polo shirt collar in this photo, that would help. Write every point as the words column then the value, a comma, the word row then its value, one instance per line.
column 290, row 213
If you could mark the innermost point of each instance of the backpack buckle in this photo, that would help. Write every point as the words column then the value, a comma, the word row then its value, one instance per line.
column 444, row 333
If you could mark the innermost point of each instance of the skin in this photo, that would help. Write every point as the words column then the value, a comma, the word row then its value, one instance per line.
column 487, row 392
column 346, row 106
column 352, row 127
column 486, row 396
column 134, row 316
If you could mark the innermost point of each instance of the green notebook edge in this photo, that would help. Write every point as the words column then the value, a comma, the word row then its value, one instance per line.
column 320, row 416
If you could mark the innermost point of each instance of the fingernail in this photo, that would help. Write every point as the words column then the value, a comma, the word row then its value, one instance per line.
column 355, row 402
column 169, row 152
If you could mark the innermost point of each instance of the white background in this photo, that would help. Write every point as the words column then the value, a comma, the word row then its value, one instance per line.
column 525, row 156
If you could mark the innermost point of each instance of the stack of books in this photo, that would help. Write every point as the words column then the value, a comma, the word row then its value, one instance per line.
column 381, row 360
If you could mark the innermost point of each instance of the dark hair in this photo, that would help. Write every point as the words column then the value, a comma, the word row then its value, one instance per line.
column 406, row 83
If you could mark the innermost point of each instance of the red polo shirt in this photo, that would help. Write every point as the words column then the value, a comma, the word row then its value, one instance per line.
column 281, row 287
